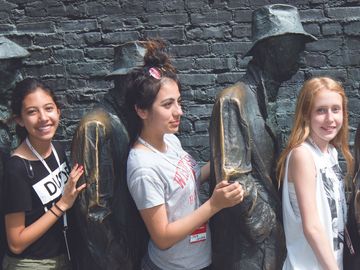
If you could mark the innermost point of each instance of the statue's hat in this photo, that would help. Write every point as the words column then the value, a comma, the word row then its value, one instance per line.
column 128, row 56
column 276, row 20
column 10, row 50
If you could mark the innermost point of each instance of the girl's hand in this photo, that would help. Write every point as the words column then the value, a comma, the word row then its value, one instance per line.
column 70, row 191
column 226, row 195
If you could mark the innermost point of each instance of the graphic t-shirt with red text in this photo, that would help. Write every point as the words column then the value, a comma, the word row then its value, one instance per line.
column 169, row 178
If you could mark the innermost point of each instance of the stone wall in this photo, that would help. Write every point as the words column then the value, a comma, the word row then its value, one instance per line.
column 71, row 44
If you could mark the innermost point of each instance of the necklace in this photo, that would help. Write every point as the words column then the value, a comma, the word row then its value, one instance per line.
column 152, row 148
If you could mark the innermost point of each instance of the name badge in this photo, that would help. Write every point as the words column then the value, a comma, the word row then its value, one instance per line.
column 50, row 188
column 198, row 235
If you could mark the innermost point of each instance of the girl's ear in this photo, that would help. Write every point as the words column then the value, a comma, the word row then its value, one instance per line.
column 19, row 121
column 142, row 113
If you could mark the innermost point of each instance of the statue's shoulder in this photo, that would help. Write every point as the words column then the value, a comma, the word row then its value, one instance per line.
column 238, row 91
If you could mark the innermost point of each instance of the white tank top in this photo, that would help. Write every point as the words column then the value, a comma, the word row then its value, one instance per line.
column 331, row 204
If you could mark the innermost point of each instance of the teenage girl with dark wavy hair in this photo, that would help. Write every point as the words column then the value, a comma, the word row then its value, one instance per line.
column 163, row 179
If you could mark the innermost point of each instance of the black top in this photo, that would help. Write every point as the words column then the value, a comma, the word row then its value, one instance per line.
column 20, row 196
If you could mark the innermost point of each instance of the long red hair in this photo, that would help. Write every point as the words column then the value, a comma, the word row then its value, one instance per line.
column 301, row 129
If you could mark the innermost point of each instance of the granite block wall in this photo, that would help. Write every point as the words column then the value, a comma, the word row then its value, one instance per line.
column 71, row 48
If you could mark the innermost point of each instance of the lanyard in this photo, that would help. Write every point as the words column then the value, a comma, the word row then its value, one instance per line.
column 152, row 148
column 52, row 175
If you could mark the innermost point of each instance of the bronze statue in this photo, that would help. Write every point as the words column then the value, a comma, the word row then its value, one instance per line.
column 11, row 56
column 244, row 147
column 113, row 235
column 352, row 249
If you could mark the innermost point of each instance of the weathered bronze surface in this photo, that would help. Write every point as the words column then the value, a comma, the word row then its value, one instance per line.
column 244, row 145
column 112, row 234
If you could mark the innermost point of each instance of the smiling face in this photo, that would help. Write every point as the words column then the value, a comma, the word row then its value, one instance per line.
column 39, row 115
column 326, row 117
column 165, row 113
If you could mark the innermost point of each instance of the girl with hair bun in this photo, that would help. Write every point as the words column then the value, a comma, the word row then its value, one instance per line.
column 314, row 204
column 162, row 178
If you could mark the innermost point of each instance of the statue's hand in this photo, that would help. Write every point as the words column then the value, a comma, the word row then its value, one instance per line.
column 250, row 193
column 256, row 213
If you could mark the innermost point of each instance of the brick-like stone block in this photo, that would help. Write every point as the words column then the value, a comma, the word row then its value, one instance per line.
column 197, row 79
column 99, row 53
column 353, row 28
column 167, row 19
column 189, row 50
column 69, row 55
column 171, row 34
column 230, row 48
column 243, row 16
column 78, row 26
column 332, row 28
column 49, row 40
column 88, row 69
column 50, row 70
column 215, row 63
column 321, row 45
column 238, row 3
column 343, row 13
column 215, row 17
column 242, row 31
column 120, row 37
column 36, row 27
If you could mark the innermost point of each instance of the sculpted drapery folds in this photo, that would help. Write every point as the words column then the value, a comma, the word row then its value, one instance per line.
column 112, row 234
column 102, row 216
column 243, row 149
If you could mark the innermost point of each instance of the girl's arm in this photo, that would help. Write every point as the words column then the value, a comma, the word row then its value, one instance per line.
column 302, row 173
column 20, row 237
column 166, row 234
column 205, row 172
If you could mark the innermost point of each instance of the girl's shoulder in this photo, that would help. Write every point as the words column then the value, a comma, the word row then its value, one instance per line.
column 16, row 165
column 173, row 140
column 140, row 157
column 301, row 155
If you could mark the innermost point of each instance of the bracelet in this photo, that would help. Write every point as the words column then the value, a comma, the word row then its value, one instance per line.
column 54, row 213
column 58, row 208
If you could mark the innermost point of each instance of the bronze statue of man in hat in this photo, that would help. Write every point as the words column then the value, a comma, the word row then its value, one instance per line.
column 112, row 234
column 244, row 147
column 11, row 55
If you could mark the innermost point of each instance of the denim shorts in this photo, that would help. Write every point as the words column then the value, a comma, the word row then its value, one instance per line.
column 57, row 263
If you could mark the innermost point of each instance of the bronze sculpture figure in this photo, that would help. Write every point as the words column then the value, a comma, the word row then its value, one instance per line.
column 244, row 146
column 112, row 233
column 11, row 56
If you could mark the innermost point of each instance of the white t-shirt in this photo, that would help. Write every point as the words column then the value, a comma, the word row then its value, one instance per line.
column 169, row 178
column 331, row 205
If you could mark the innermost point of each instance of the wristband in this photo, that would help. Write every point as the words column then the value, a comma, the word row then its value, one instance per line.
column 58, row 208
column 53, row 213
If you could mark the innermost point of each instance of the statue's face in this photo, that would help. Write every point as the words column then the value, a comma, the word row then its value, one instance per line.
column 9, row 72
column 285, row 54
